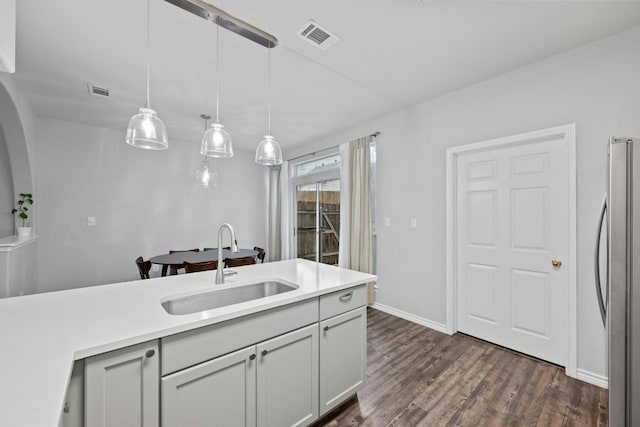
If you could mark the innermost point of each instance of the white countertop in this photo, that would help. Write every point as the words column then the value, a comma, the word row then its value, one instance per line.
column 41, row 335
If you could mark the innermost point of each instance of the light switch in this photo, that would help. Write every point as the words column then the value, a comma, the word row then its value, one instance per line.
column 91, row 221
column 413, row 223
column 387, row 221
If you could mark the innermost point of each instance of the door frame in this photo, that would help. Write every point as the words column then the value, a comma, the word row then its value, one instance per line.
column 567, row 133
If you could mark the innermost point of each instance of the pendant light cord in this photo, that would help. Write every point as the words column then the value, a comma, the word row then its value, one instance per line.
column 269, row 89
column 148, row 50
column 217, row 69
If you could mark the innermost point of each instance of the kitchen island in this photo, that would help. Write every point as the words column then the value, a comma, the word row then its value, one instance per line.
column 42, row 335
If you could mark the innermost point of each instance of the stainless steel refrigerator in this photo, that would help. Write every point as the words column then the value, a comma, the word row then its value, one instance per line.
column 619, row 290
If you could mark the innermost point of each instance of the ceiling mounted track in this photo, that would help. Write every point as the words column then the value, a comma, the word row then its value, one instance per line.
column 230, row 22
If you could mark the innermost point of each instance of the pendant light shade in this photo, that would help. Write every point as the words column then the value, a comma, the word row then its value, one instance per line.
column 204, row 176
column 145, row 129
column 216, row 142
column 268, row 152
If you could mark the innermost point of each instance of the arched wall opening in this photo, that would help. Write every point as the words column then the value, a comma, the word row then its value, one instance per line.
column 16, row 176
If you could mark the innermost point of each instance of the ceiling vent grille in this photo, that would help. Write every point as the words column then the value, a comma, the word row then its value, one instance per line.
column 98, row 91
column 318, row 35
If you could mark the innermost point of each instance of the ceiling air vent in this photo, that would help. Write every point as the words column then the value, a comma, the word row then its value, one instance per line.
column 317, row 35
column 98, row 91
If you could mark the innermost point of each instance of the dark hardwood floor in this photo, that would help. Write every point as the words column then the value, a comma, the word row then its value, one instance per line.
column 419, row 377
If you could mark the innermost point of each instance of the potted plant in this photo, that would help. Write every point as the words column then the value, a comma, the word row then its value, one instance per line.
column 26, row 199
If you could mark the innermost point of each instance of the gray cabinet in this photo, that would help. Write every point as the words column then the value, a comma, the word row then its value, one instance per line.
column 271, row 384
column 122, row 387
column 73, row 412
column 288, row 379
column 343, row 357
column 282, row 367
column 219, row 392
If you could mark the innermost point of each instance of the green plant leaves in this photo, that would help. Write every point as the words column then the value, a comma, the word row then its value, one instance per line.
column 26, row 198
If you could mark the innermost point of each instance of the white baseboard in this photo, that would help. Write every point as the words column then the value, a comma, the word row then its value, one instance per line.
column 440, row 327
column 591, row 378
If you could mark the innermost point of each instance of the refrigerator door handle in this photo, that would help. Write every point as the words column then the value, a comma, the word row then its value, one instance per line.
column 596, row 262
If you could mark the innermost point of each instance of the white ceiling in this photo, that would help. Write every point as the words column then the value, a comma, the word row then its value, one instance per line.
column 392, row 54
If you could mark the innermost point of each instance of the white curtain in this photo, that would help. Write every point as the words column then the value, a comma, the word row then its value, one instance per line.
column 286, row 220
column 359, row 188
column 345, row 212
column 273, row 250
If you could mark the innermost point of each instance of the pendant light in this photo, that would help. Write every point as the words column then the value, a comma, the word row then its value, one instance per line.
column 145, row 129
column 268, row 152
column 216, row 142
column 204, row 176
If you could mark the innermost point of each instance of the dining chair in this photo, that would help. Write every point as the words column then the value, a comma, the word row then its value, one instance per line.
column 143, row 267
column 261, row 253
column 175, row 267
column 237, row 262
column 192, row 267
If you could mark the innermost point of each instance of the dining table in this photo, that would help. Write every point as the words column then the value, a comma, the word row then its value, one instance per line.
column 178, row 258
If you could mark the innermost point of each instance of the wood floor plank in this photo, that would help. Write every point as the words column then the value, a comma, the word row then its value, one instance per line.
column 419, row 377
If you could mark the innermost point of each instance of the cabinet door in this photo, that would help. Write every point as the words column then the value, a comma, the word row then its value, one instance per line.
column 343, row 357
column 288, row 379
column 220, row 392
column 122, row 387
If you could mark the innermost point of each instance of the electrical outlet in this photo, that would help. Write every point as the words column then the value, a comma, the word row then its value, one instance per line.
column 91, row 221
column 155, row 267
column 413, row 223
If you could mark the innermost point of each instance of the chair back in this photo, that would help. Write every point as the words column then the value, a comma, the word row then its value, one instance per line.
column 192, row 267
column 143, row 267
column 174, row 267
column 184, row 250
column 237, row 262
column 261, row 253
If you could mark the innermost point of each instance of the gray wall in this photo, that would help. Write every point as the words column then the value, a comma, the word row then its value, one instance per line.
column 6, row 190
column 595, row 86
column 145, row 203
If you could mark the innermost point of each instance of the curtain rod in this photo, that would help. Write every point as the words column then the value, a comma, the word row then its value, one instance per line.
column 374, row 134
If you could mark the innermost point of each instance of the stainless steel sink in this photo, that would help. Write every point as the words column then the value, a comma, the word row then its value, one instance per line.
column 222, row 297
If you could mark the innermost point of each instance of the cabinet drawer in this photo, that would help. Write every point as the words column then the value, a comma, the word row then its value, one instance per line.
column 342, row 301
column 199, row 345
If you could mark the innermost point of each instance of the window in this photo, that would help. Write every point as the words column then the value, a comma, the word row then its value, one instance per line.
column 315, row 166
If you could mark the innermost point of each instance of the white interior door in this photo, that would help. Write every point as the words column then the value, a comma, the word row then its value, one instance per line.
column 512, row 222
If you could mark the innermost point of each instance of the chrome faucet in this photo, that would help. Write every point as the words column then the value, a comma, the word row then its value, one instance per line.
column 234, row 248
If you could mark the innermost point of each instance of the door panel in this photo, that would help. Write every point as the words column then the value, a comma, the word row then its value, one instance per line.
column 529, row 302
column 306, row 221
column 318, row 221
column 512, row 221
column 482, row 292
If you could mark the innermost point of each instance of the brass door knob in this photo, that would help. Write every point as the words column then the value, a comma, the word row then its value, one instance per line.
column 556, row 262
